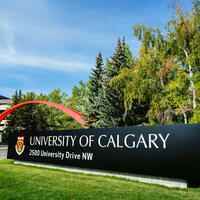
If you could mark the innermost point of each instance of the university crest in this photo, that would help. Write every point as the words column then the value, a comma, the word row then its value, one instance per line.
column 20, row 145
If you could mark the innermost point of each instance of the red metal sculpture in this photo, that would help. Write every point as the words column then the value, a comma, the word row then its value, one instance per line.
column 74, row 114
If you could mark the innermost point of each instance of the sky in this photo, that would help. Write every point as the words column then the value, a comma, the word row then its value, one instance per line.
column 47, row 44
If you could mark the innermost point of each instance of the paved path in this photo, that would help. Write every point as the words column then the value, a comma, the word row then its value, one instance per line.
column 3, row 154
column 3, row 147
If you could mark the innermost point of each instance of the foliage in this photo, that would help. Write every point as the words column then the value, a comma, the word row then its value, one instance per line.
column 77, row 101
column 166, row 74
column 159, row 86
column 112, row 108
column 56, row 119
column 27, row 118
column 95, row 85
column 13, row 122
column 42, row 117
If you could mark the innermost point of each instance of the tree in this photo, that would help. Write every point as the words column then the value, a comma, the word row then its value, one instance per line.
column 139, row 83
column 93, row 93
column 184, row 37
column 37, row 117
column 28, row 113
column 112, row 106
column 112, row 109
column 14, row 122
column 166, row 73
column 77, row 101
column 56, row 119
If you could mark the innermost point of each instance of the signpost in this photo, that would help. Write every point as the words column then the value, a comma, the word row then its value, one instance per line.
column 166, row 151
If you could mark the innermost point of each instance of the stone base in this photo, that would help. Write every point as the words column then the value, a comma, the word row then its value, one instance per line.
column 169, row 182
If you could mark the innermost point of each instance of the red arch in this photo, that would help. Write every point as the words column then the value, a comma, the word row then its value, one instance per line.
column 74, row 114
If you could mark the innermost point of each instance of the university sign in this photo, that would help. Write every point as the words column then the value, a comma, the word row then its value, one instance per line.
column 165, row 151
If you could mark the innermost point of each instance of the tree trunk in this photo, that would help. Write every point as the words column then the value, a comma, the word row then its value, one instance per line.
column 191, row 83
column 184, row 114
column 161, row 81
column 185, row 118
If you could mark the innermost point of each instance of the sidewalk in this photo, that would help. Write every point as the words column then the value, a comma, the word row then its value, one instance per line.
column 3, row 154
column 3, row 147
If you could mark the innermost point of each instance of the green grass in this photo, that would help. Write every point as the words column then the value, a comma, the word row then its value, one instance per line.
column 18, row 182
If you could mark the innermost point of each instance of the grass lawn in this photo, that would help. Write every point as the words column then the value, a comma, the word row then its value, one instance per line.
column 18, row 182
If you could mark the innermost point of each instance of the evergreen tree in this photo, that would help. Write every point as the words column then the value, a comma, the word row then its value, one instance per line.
column 29, row 117
column 111, row 107
column 118, row 61
column 94, row 88
column 13, row 120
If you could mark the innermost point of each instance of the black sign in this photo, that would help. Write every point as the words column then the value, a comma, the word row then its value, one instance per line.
column 166, row 151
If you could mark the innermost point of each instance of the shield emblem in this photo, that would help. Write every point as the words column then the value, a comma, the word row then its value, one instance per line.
column 19, row 147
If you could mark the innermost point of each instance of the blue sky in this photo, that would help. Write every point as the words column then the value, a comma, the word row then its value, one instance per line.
column 47, row 44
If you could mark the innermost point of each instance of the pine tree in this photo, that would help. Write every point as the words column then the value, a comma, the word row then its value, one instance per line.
column 112, row 98
column 112, row 107
column 118, row 61
column 13, row 120
column 94, row 88
column 29, row 117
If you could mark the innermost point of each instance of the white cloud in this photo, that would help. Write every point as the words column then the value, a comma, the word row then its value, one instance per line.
column 10, row 55
column 32, row 37
column 11, row 58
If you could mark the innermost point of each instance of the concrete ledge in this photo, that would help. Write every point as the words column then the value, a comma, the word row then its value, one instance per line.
column 169, row 182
